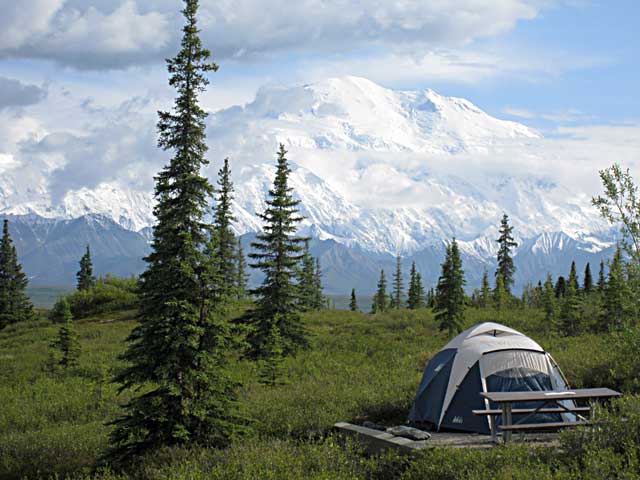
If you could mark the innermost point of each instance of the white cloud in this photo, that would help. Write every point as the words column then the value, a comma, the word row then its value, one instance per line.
column 97, row 34
column 87, row 37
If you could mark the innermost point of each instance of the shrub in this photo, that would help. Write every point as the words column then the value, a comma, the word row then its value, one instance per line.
column 109, row 295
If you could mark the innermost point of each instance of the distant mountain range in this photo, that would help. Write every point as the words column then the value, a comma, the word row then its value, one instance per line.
column 51, row 248
column 374, row 170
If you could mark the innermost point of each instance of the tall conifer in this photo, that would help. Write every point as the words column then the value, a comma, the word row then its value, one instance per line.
column 602, row 282
column 380, row 298
column 549, row 303
column 277, row 253
column 415, row 296
column 67, row 342
column 15, row 305
column 485, row 290
column 85, row 277
column 449, row 300
column 306, row 277
column 588, row 279
column 506, row 268
column 176, row 357
column 221, row 248
column 573, row 278
column 616, row 294
column 318, row 295
column 353, row 303
column 398, row 287
column 242, row 277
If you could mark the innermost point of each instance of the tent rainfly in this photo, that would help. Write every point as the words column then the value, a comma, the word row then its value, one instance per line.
column 488, row 357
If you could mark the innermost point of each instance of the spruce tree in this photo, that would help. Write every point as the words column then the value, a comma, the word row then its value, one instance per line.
column 318, row 296
column 561, row 287
column 271, row 364
column 380, row 298
column 306, row 278
column 221, row 248
column 500, row 295
column 67, row 342
column 570, row 309
column 616, row 294
column 277, row 253
column 485, row 290
column 85, row 277
column 431, row 298
column 242, row 277
column 449, row 300
column 602, row 282
column 415, row 296
column 353, row 303
column 398, row 287
column 549, row 303
column 15, row 305
column 573, row 278
column 411, row 293
column 420, row 295
column 177, row 355
column 506, row 268
column 587, row 286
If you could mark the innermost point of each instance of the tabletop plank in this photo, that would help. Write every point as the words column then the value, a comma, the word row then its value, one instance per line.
column 576, row 394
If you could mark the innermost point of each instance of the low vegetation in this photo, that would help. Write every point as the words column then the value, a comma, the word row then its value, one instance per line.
column 360, row 367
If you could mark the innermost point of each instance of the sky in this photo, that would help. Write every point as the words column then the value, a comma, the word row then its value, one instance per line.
column 80, row 80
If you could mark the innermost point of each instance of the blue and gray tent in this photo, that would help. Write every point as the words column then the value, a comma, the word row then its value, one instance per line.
column 486, row 358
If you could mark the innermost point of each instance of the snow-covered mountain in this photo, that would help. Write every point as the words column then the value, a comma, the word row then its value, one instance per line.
column 379, row 172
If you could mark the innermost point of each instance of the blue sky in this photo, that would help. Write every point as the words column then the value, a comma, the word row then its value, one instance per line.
column 78, row 70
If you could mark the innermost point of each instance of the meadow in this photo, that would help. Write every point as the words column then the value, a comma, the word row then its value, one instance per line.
column 360, row 367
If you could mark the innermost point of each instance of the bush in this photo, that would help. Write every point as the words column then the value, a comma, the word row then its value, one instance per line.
column 110, row 294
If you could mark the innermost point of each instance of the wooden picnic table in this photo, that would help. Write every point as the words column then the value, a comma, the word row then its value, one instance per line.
column 549, row 402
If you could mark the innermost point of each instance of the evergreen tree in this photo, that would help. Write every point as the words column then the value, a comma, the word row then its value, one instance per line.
column 353, row 303
column 242, row 277
column 420, row 295
column 602, row 283
column 221, row 248
column 485, row 290
column 412, row 294
column 177, row 355
column 573, row 278
column 616, row 294
column 15, row 305
column 278, row 253
column 449, row 300
column 380, row 298
column 506, row 268
column 67, row 342
column 416, row 295
column 306, row 277
column 318, row 296
column 588, row 280
column 500, row 294
column 549, row 302
column 85, row 277
column 398, row 287
column 271, row 364
column 561, row 287
column 570, row 308
column 431, row 298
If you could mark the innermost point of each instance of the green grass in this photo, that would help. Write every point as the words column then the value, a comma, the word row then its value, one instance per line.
column 360, row 367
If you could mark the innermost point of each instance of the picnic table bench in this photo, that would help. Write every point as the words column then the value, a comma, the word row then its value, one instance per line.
column 549, row 403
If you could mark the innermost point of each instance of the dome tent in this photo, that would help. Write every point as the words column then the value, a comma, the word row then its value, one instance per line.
column 488, row 357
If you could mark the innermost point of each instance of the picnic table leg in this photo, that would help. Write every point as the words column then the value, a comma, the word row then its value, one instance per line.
column 492, row 424
column 506, row 420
